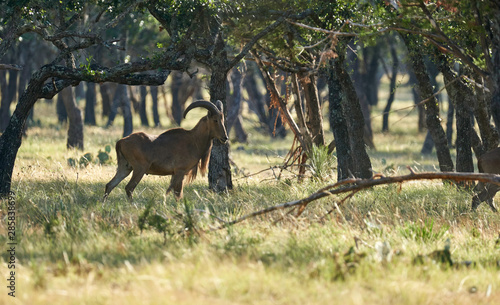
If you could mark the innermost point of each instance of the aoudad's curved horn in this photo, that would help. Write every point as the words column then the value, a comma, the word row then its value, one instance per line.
column 204, row 104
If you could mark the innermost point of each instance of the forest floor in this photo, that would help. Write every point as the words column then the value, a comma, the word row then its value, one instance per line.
column 411, row 243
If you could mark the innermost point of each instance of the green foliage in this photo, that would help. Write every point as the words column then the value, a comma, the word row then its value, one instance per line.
column 103, row 157
column 321, row 163
column 424, row 232
column 160, row 223
column 85, row 160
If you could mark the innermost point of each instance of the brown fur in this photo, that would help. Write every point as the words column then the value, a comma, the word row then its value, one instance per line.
column 487, row 163
column 202, row 166
column 177, row 152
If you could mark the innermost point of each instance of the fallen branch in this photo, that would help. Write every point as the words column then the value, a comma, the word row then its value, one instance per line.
column 355, row 185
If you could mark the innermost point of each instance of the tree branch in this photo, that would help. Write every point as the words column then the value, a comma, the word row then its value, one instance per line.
column 248, row 46
column 354, row 184
column 10, row 67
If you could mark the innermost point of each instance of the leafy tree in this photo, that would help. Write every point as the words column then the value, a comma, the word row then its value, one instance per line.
column 56, row 23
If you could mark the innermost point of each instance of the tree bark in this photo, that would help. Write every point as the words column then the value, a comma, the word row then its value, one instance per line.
column 449, row 122
column 11, row 139
column 494, row 79
column 412, row 82
column 392, row 88
column 177, row 107
column 425, row 91
column 371, row 81
column 62, row 114
column 355, row 121
column 314, row 120
column 143, row 93
column 219, row 168
column 464, row 125
column 75, row 126
column 154, row 107
column 338, row 124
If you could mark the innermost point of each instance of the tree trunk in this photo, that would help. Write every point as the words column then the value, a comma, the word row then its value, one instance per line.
column 143, row 92
column 392, row 88
column 234, row 104
column 338, row 124
column 62, row 114
column 488, row 132
column 154, row 107
column 106, row 90
column 176, row 101
column 494, row 79
column 425, row 91
column 412, row 82
column 79, row 92
column 462, row 105
column 314, row 117
column 256, row 101
column 449, row 123
column 121, row 100
column 75, row 128
column 11, row 139
column 355, row 122
column 90, row 102
column 219, row 169
column 234, row 100
column 8, row 94
column 371, row 81
column 428, row 144
column 241, row 134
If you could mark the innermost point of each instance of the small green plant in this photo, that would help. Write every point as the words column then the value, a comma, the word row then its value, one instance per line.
column 85, row 160
column 151, row 219
column 103, row 157
column 424, row 232
column 321, row 162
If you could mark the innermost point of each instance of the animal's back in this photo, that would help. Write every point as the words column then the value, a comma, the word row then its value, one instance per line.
column 490, row 162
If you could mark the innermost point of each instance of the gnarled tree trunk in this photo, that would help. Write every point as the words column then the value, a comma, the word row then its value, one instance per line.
column 219, row 169
column 338, row 124
column 355, row 121
column 426, row 92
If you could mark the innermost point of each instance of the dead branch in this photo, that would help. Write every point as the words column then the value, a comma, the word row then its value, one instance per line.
column 356, row 185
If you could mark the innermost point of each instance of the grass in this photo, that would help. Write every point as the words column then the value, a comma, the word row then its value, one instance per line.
column 388, row 245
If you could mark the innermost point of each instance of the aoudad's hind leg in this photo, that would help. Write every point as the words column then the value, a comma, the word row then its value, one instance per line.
column 485, row 192
column 136, row 178
column 121, row 173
